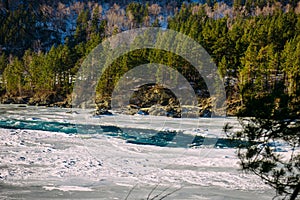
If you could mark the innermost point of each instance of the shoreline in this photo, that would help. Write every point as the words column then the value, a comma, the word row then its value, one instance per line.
column 173, row 111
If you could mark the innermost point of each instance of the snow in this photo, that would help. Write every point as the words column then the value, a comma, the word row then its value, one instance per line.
column 68, row 188
column 51, row 164
column 56, row 161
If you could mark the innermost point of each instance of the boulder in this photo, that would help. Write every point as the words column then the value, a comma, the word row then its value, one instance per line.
column 190, row 111
column 102, row 112
column 142, row 112
column 158, row 110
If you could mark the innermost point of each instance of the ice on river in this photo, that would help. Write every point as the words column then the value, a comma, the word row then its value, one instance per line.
column 37, row 164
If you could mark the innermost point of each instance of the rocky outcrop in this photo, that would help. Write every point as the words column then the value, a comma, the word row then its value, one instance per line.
column 46, row 99
column 14, row 100
column 233, row 107
column 155, row 101
column 158, row 101
column 66, row 103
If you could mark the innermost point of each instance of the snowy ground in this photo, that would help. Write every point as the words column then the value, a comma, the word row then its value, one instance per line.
column 55, row 165
column 52, row 165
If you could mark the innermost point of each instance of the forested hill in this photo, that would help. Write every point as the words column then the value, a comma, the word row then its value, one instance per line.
column 40, row 24
column 255, row 44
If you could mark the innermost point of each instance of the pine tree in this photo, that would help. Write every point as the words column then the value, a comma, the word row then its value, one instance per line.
column 13, row 78
column 291, row 65
column 3, row 63
column 82, row 26
column 95, row 21
column 248, row 72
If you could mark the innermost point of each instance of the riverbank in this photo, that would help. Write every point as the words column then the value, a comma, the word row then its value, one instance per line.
column 47, row 99
column 146, row 106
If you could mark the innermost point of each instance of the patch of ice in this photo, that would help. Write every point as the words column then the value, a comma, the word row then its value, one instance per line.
column 68, row 188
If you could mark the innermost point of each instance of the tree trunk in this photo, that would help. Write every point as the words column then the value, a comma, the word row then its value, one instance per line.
column 296, row 192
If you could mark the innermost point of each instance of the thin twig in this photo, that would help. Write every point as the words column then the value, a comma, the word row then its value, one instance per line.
column 166, row 195
column 160, row 193
column 130, row 191
column 153, row 189
column 170, row 193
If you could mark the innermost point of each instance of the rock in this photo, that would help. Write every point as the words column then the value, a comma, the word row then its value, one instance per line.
column 66, row 103
column 102, row 104
column 72, row 162
column 190, row 111
column 102, row 112
column 130, row 109
column 141, row 112
column 72, row 112
column 233, row 107
column 132, row 106
column 158, row 110
column 22, row 158
column 14, row 100
column 99, row 163
column 45, row 99
column 7, row 100
column 207, row 113
column 174, row 114
column 22, row 106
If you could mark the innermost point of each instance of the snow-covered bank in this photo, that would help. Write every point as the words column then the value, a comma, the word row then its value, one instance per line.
column 72, row 164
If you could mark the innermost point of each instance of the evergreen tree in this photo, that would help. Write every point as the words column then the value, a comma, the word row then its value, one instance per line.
column 3, row 63
column 275, row 118
column 95, row 21
column 82, row 26
column 14, row 78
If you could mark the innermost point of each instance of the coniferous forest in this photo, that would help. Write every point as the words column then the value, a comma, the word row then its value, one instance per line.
column 255, row 44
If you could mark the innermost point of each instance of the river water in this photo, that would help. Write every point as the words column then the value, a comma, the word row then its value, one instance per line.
column 55, row 153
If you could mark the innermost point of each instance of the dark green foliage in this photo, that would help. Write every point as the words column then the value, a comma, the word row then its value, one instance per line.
column 23, row 27
column 275, row 119
column 143, row 56
column 256, row 54
column 252, row 53
column 136, row 12
column 82, row 26
column 3, row 62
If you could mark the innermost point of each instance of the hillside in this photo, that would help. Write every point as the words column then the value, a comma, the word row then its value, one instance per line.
column 255, row 45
